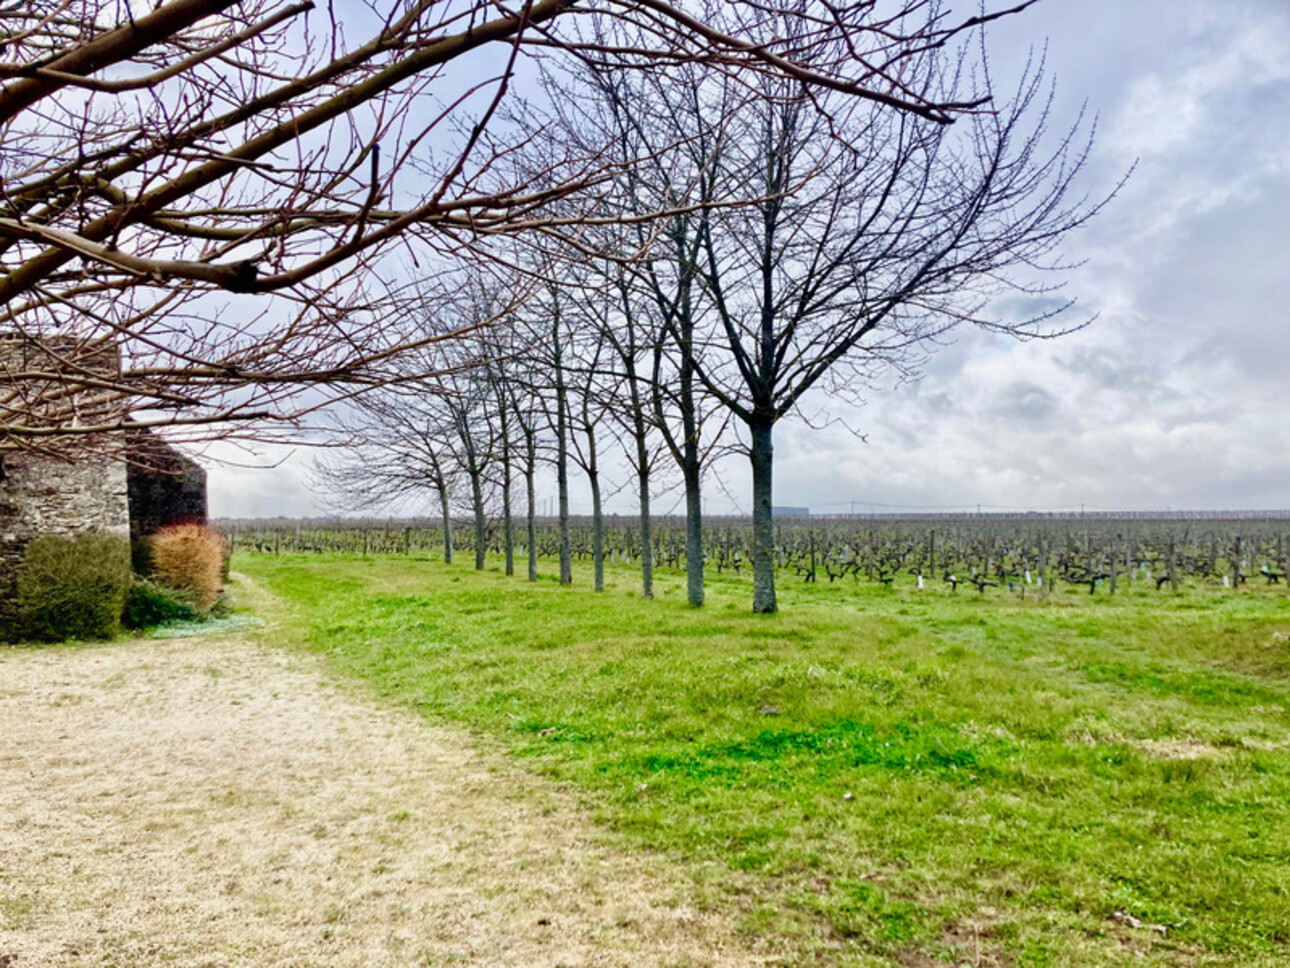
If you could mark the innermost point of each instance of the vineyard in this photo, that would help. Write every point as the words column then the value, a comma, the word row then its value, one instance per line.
column 978, row 554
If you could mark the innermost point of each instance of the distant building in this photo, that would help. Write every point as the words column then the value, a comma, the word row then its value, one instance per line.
column 789, row 512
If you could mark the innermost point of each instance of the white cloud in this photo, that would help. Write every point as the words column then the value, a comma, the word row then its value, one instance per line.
column 1175, row 396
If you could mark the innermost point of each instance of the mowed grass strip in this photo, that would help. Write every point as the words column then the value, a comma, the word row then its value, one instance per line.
column 883, row 777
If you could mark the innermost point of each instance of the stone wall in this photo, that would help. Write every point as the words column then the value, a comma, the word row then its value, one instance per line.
column 130, row 483
column 43, row 496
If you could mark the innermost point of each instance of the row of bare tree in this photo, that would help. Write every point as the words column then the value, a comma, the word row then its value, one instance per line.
column 759, row 242
column 701, row 213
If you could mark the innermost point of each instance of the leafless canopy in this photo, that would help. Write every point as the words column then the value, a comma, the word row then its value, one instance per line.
column 166, row 166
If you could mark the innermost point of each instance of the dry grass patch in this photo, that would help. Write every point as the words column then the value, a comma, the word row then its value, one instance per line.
column 200, row 803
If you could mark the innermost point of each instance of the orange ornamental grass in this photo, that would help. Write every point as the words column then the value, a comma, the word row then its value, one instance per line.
column 190, row 557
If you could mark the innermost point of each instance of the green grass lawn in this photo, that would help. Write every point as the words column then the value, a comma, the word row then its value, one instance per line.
column 874, row 776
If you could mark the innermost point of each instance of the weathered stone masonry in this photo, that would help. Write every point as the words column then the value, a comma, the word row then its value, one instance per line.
column 42, row 496
column 131, row 490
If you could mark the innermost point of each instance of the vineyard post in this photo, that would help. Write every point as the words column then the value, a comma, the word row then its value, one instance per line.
column 811, row 578
column 277, row 542
column 365, row 542
column 1173, row 565
column 1236, row 563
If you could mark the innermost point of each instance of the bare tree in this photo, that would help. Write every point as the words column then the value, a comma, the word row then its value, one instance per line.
column 524, row 420
column 441, row 423
column 817, row 243
column 594, row 381
column 874, row 234
column 633, row 344
column 438, row 435
column 469, row 406
column 518, row 416
column 163, row 166
column 651, row 259
column 550, row 319
column 505, row 461
column 411, row 458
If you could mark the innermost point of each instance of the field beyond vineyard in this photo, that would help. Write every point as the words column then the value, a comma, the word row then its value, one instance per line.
column 877, row 776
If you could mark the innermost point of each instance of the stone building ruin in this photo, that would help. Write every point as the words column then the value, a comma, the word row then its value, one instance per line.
column 130, row 484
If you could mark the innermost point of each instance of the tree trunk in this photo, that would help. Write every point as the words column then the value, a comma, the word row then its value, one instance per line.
column 597, row 532
column 647, row 536
column 530, row 473
column 591, row 467
column 693, row 536
column 447, row 526
column 692, row 471
column 562, row 481
column 481, row 529
column 640, row 434
column 762, row 456
column 508, row 523
column 562, row 476
column 691, row 467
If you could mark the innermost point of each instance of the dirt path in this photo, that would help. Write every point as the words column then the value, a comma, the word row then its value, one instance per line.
column 213, row 803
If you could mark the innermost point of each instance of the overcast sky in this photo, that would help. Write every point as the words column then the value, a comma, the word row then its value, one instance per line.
column 1175, row 397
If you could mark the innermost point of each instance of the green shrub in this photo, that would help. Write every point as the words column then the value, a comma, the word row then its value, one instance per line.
column 190, row 557
column 150, row 604
column 73, row 587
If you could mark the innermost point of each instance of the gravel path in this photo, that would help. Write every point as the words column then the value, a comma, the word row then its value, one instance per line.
column 219, row 803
